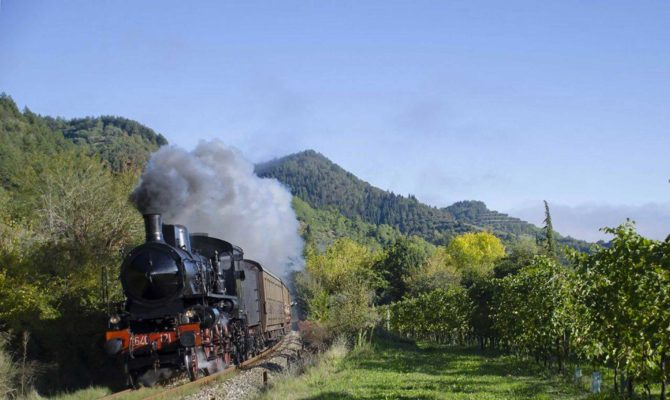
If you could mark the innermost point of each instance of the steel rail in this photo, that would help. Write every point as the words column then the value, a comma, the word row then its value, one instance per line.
column 204, row 379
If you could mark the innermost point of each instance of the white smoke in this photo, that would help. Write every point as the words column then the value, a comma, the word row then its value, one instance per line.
column 214, row 189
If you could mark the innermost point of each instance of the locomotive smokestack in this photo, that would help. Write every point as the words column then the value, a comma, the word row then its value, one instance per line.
column 153, row 227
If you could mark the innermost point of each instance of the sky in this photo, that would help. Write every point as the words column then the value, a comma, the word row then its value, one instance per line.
column 509, row 102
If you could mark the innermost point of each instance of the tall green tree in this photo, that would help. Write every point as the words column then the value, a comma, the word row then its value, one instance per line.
column 400, row 262
column 548, row 229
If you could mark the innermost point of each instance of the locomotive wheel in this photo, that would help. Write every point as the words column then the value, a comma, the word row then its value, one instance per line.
column 191, row 364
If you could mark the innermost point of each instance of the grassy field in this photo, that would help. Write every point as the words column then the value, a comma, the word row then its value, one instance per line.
column 391, row 370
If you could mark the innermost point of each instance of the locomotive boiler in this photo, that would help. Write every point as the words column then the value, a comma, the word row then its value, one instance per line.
column 194, row 304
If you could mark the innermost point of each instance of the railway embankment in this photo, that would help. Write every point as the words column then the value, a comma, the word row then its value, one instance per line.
column 248, row 383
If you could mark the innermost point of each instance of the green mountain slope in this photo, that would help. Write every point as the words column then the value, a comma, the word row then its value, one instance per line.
column 325, row 185
column 121, row 143
column 322, row 183
column 323, row 226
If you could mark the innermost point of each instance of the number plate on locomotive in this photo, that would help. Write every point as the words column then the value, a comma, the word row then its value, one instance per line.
column 161, row 339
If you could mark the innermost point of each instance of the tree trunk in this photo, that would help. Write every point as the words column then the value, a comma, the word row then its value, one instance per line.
column 663, row 378
column 616, row 378
column 559, row 355
column 629, row 385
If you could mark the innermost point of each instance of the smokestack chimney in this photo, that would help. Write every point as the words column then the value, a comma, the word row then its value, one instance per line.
column 153, row 227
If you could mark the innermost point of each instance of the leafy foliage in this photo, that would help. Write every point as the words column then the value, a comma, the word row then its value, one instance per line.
column 401, row 261
column 65, row 221
column 437, row 271
column 476, row 253
column 122, row 144
column 322, row 227
column 531, row 309
column 70, row 222
column 337, row 288
column 519, row 254
column 622, row 305
column 441, row 315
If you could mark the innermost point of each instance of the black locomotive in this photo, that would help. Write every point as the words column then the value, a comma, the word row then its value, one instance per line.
column 193, row 303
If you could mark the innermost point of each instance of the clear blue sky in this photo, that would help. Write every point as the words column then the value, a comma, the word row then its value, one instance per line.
column 506, row 102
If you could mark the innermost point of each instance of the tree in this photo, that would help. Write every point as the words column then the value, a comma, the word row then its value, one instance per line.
column 476, row 253
column 549, row 241
column 338, row 286
column 440, row 315
column 521, row 254
column 531, row 312
column 399, row 264
column 67, row 223
column 621, row 300
column 437, row 271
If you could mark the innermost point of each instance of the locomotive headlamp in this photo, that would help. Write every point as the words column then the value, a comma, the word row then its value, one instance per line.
column 114, row 319
column 190, row 313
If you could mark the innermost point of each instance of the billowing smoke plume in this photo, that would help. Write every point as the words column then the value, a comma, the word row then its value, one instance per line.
column 214, row 189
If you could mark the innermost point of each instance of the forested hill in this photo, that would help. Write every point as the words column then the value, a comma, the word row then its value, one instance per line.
column 321, row 183
column 121, row 143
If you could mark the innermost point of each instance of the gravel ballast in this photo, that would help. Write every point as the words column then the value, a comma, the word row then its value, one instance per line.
column 248, row 383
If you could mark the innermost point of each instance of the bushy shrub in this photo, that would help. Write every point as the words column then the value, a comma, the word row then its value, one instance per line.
column 337, row 289
column 314, row 335
column 441, row 315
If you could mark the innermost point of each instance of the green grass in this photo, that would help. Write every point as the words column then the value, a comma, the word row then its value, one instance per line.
column 84, row 394
column 401, row 370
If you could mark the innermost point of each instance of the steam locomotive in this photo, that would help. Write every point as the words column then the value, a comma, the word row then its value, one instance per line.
column 194, row 304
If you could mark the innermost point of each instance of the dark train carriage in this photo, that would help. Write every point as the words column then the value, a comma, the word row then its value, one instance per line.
column 250, row 300
column 273, row 317
column 272, row 305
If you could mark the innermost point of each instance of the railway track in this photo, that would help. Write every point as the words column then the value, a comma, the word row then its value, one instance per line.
column 172, row 392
